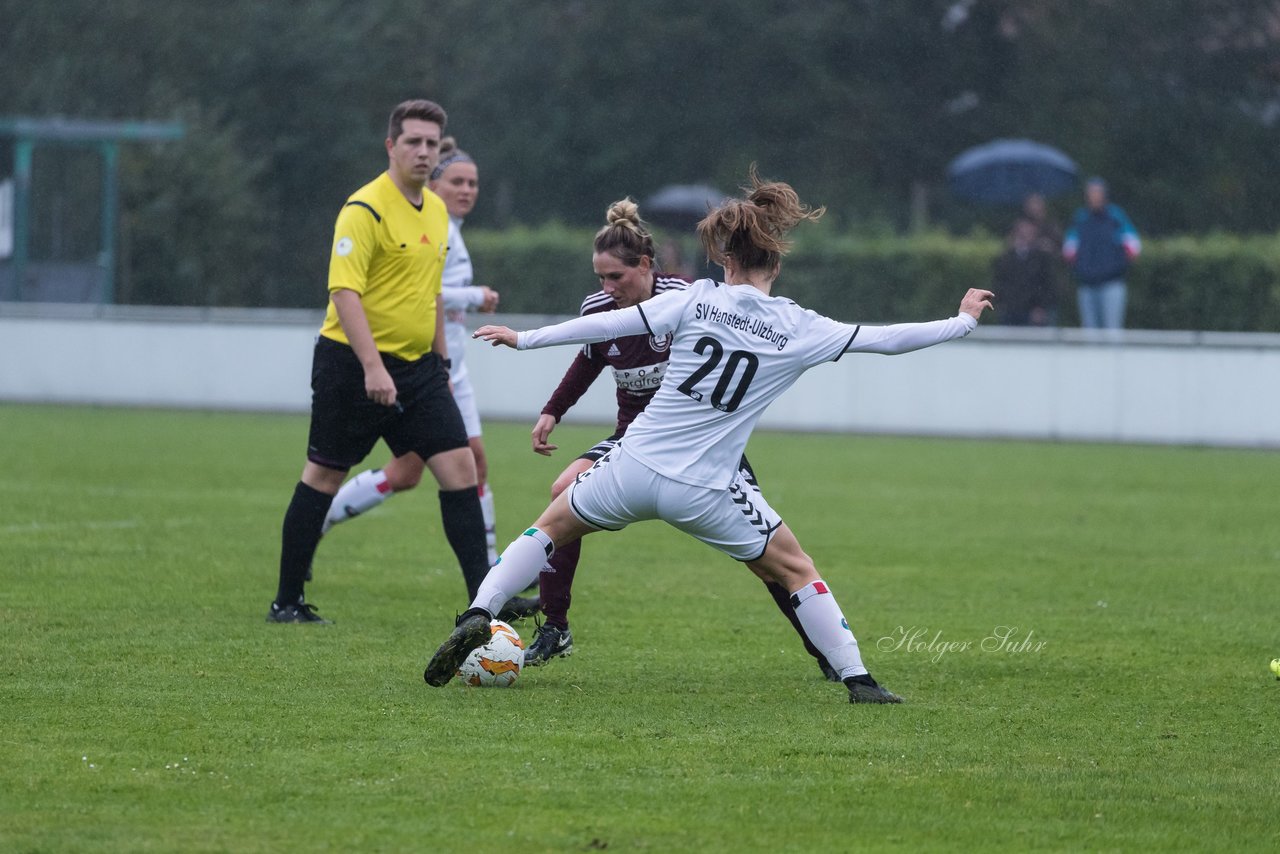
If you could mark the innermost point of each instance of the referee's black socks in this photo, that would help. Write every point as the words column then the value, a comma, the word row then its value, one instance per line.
column 463, row 523
column 301, row 535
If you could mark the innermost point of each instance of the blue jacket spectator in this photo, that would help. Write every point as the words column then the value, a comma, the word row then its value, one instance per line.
column 1100, row 245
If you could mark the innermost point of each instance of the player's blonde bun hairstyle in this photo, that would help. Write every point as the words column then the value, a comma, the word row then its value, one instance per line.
column 449, row 145
column 753, row 230
column 449, row 155
column 625, row 235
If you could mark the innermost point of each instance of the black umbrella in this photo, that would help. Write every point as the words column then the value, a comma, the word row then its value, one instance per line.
column 1006, row 171
column 681, row 206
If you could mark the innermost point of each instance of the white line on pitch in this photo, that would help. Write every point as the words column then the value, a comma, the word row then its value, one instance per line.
column 42, row 527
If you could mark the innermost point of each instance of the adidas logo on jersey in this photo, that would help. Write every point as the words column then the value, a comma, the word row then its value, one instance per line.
column 614, row 351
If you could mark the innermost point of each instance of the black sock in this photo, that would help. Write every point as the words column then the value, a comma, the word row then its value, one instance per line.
column 298, row 541
column 783, row 600
column 463, row 522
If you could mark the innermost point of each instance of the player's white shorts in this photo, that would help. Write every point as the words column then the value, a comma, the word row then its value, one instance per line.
column 619, row 490
column 464, row 395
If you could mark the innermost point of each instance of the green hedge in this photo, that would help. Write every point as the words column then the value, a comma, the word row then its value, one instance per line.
column 1218, row 282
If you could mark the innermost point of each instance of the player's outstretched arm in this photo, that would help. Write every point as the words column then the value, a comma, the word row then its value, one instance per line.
column 906, row 337
column 587, row 329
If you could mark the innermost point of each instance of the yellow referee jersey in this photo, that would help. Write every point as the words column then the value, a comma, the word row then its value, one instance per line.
column 391, row 254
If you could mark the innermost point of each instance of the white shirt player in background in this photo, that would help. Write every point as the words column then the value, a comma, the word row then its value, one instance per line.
column 735, row 349
column 456, row 180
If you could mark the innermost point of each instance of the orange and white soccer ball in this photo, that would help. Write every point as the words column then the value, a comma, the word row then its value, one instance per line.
column 497, row 663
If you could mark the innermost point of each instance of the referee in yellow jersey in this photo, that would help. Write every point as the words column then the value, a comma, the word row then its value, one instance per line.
column 381, row 368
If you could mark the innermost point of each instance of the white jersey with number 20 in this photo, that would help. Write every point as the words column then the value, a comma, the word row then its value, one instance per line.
column 734, row 351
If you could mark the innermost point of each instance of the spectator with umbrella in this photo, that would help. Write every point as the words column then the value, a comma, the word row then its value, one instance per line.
column 1026, row 275
column 1025, row 279
column 1007, row 171
column 678, row 208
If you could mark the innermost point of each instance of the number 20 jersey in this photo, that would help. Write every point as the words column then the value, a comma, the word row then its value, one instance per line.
column 734, row 350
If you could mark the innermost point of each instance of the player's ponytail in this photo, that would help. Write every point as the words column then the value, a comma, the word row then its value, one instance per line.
column 753, row 230
column 625, row 235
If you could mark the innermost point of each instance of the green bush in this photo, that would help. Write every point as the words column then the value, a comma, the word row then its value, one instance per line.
column 1217, row 282
column 1220, row 283
column 545, row 270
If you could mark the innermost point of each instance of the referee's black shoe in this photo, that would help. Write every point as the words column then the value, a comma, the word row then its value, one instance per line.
column 471, row 631
column 864, row 689
column 298, row 612
column 519, row 607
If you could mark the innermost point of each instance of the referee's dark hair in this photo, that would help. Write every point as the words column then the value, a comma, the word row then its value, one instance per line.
column 421, row 109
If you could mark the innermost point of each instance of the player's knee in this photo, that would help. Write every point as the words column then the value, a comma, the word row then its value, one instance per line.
column 799, row 571
column 402, row 481
column 561, row 484
column 322, row 478
column 402, row 475
column 789, row 567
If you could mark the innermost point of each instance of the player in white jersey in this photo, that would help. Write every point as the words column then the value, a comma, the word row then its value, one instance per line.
column 456, row 180
column 735, row 348
column 623, row 259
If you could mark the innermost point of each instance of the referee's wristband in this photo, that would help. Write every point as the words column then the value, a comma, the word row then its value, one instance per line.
column 448, row 364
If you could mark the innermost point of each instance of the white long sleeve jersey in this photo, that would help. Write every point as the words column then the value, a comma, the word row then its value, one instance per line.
column 458, row 296
column 734, row 350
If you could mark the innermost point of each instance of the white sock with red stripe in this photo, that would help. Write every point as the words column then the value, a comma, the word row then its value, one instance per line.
column 828, row 630
column 490, row 522
column 515, row 570
column 362, row 493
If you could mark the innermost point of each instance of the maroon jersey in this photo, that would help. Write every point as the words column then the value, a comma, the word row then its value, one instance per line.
column 638, row 362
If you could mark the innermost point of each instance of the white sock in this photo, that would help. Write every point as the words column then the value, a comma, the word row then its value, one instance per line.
column 363, row 492
column 490, row 523
column 515, row 570
column 828, row 630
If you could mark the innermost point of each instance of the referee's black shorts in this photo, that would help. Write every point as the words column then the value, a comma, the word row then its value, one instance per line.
column 346, row 424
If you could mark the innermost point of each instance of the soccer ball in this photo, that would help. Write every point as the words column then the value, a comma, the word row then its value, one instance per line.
column 497, row 663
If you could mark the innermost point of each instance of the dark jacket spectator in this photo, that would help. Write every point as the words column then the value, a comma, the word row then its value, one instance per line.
column 1025, row 279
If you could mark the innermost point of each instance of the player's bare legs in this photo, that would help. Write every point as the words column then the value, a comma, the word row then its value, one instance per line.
column 370, row 488
column 555, row 585
column 519, row 565
column 785, row 562
column 816, row 608
column 482, row 462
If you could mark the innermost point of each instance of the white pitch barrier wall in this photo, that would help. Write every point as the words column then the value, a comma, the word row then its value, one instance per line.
column 1192, row 388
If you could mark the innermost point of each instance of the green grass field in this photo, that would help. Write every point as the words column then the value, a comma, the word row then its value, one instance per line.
column 147, row 706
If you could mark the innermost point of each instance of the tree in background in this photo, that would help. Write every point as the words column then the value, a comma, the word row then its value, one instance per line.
column 570, row 105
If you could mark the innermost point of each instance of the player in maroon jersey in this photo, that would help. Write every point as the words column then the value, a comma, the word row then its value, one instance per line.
column 624, row 264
